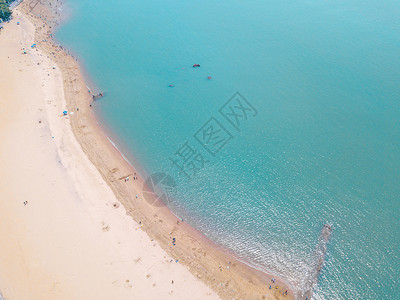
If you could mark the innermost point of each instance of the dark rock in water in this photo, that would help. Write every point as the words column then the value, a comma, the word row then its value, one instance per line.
column 99, row 95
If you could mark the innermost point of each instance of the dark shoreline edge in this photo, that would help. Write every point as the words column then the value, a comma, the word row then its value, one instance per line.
column 248, row 272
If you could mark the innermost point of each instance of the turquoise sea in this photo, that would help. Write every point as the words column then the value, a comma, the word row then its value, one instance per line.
column 313, row 137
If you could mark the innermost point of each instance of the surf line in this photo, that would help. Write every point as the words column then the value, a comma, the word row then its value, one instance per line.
column 318, row 261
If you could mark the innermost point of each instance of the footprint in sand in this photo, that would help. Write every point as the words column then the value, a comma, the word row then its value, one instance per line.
column 105, row 227
column 127, row 284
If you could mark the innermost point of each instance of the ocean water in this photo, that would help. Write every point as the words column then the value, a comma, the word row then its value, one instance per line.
column 313, row 137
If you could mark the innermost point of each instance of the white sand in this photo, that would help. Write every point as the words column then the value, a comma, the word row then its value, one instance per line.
column 69, row 241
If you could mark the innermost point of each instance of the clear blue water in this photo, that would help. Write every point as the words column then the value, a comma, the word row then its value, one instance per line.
column 324, row 146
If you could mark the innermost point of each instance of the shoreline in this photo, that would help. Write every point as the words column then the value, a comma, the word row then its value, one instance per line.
column 112, row 179
column 62, row 235
column 199, row 254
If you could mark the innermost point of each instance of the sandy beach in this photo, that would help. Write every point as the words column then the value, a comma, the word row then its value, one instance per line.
column 71, row 227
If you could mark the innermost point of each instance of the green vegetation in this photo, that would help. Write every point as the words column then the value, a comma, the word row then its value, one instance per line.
column 5, row 12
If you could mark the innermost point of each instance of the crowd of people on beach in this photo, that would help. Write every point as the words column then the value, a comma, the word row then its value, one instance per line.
column 126, row 178
column 277, row 287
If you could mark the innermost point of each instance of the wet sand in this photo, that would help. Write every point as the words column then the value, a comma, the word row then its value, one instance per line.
column 83, row 233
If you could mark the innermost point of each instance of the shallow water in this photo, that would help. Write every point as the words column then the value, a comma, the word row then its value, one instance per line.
column 319, row 143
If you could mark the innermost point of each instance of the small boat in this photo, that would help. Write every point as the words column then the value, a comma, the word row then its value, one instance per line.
column 196, row 66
